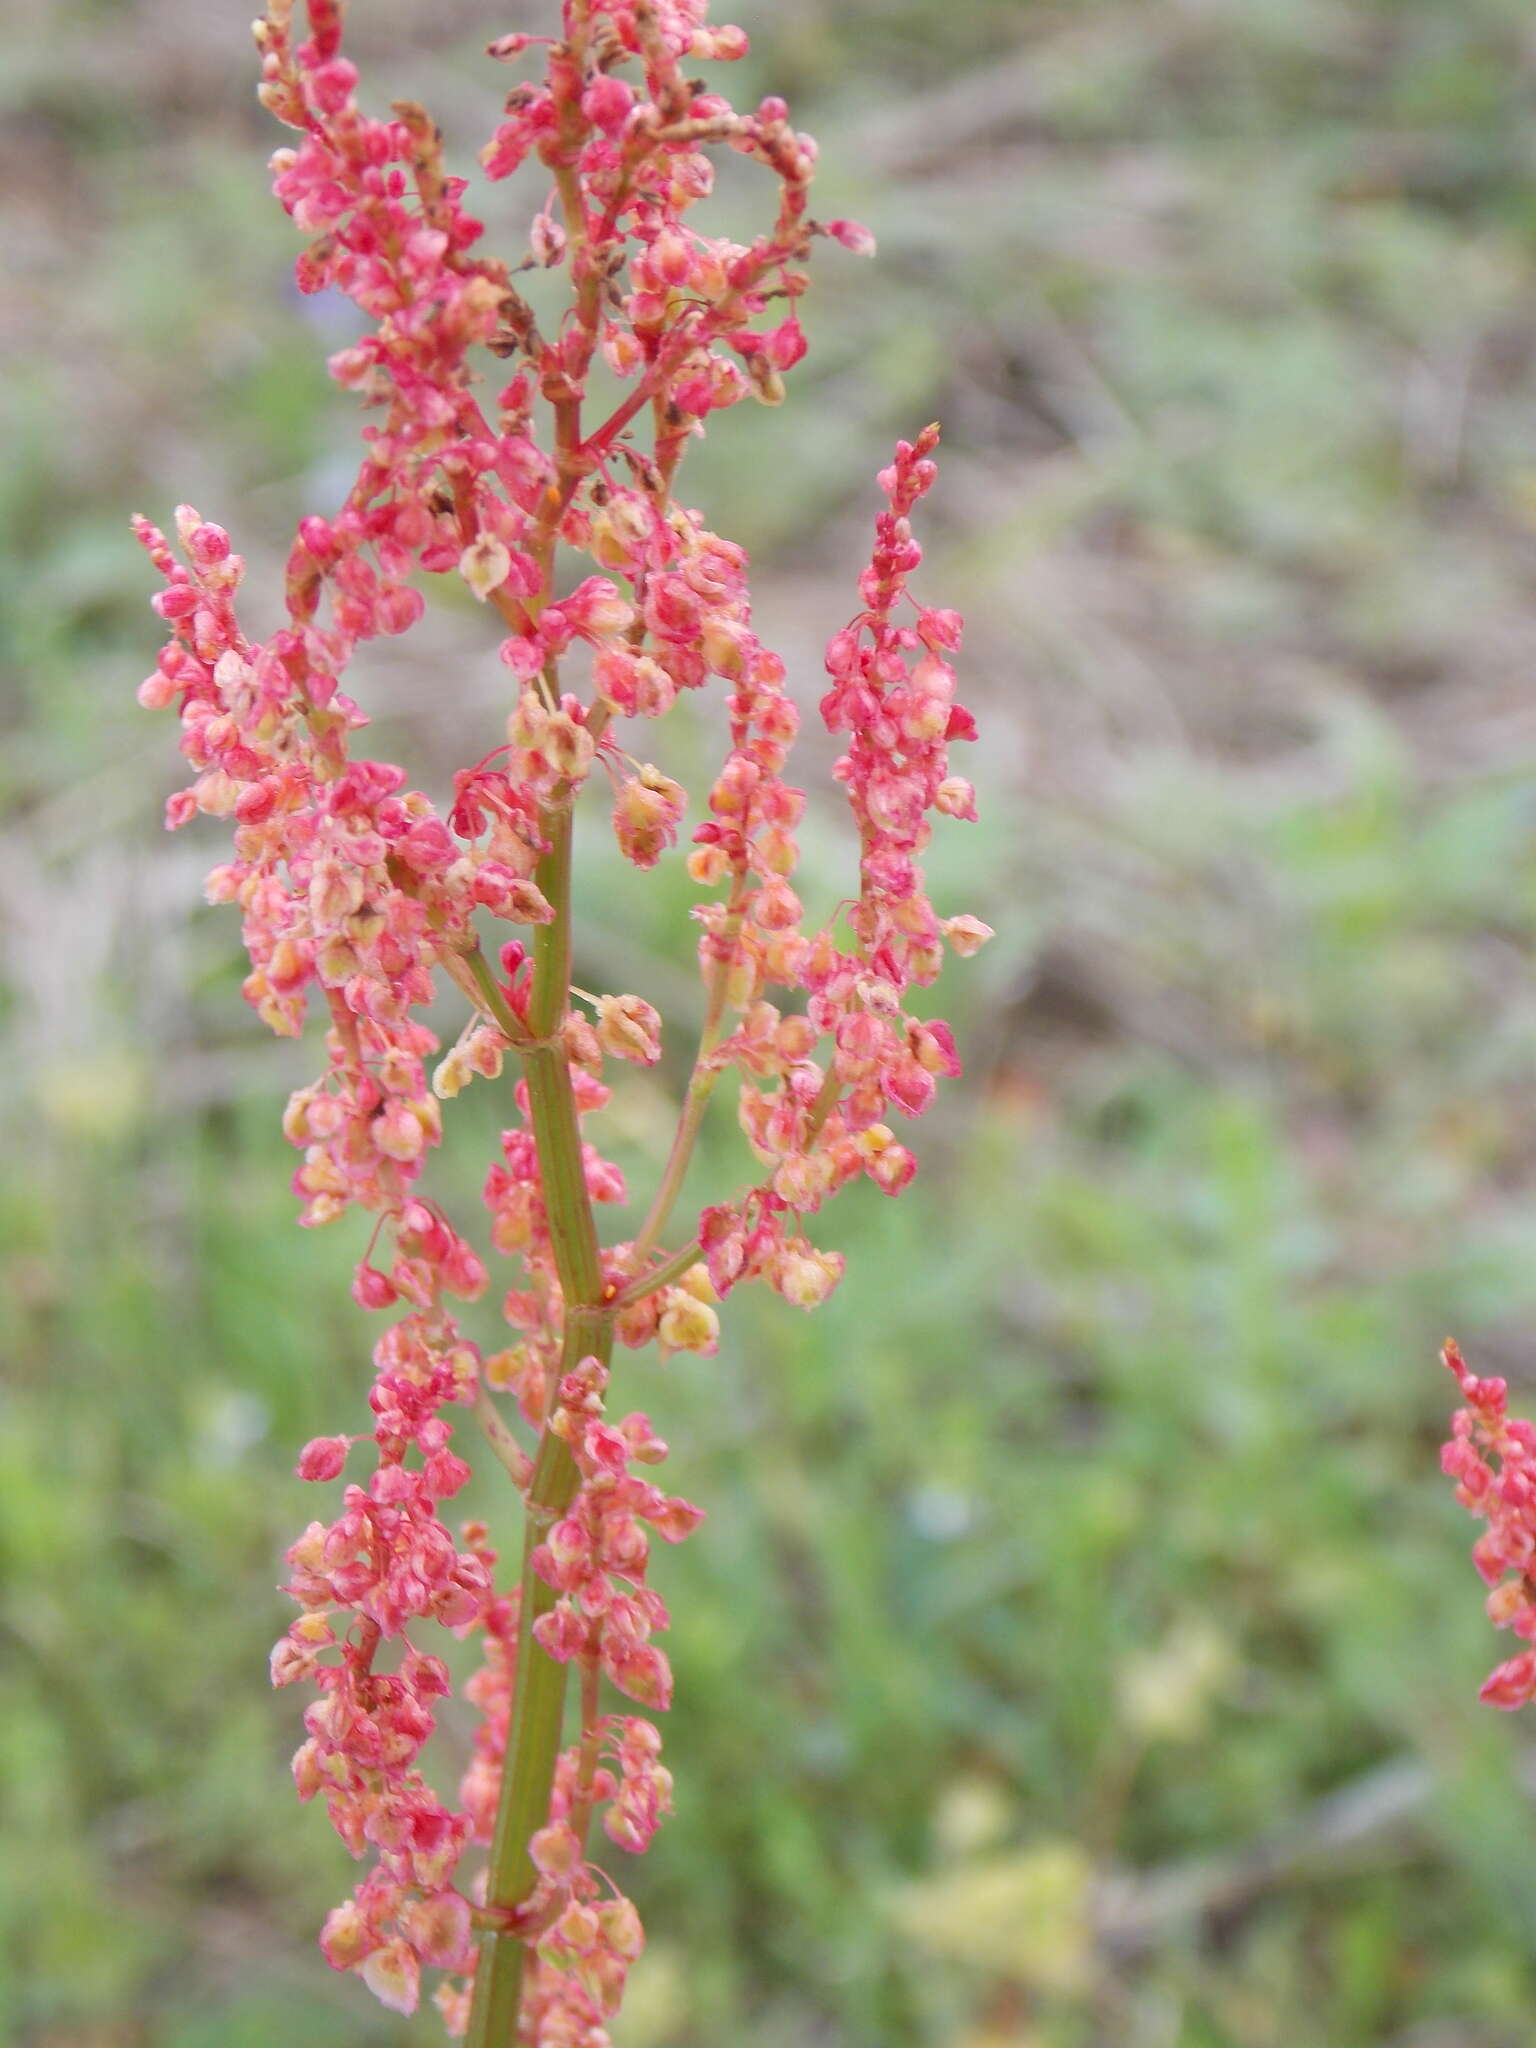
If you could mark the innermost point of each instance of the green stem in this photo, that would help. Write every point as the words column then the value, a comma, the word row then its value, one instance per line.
column 827, row 1098
column 488, row 994
column 670, row 1269
column 591, row 1746
column 501, row 1439
column 701, row 1086
column 689, row 1124
column 533, row 1739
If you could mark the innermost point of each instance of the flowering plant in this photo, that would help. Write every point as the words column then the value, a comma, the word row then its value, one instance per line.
column 355, row 890
column 1503, row 1495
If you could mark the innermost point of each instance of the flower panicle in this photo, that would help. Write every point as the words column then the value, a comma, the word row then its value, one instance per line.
column 358, row 894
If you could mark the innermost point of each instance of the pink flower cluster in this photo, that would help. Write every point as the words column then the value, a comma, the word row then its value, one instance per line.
column 594, row 1560
column 1503, row 1495
column 599, row 1548
column 356, row 888
column 817, row 1126
column 388, row 1560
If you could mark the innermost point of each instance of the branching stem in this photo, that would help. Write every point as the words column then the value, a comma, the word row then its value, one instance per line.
column 533, row 1739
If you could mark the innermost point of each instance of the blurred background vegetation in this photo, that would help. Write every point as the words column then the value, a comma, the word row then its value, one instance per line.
column 1082, row 1649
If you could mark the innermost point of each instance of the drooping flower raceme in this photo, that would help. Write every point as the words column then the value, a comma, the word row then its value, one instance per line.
column 358, row 893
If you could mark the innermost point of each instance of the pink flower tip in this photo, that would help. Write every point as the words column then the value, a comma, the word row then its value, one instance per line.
column 1513, row 1684
column 852, row 236
column 323, row 1457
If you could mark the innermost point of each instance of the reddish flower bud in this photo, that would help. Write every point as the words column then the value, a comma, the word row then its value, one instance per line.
column 643, row 1674
column 323, row 1457
column 852, row 236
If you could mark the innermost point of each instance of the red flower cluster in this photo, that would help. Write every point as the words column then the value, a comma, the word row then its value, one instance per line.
column 599, row 1547
column 1505, row 1497
column 354, row 886
column 818, row 1126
